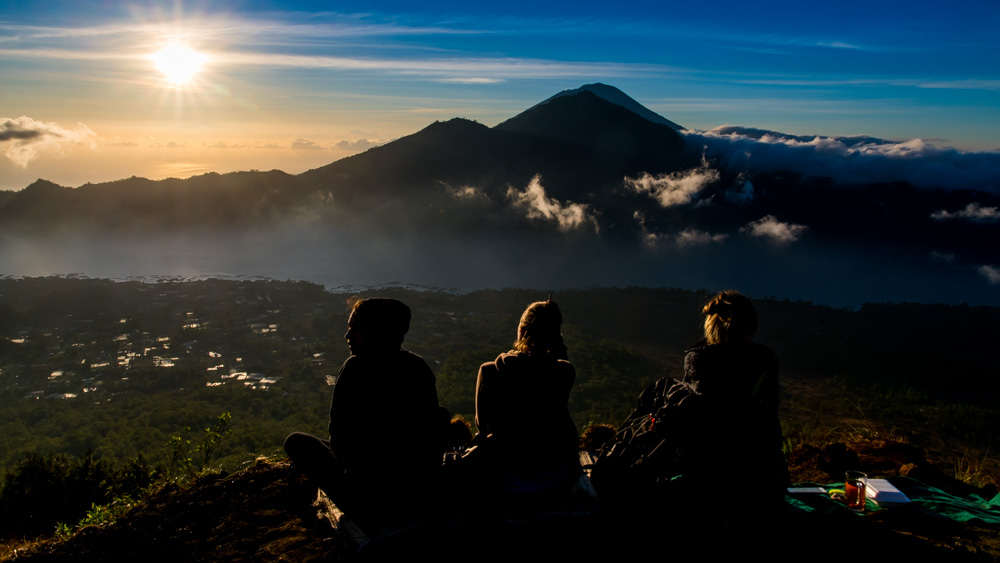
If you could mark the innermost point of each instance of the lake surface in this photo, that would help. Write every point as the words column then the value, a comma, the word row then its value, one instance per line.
column 839, row 276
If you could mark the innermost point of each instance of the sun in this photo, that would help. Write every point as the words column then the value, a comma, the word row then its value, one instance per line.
column 178, row 63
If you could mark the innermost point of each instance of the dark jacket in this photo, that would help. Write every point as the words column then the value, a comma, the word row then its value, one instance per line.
column 735, row 429
column 522, row 408
column 384, row 416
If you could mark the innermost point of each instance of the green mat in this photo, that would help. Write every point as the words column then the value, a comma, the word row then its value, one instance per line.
column 929, row 500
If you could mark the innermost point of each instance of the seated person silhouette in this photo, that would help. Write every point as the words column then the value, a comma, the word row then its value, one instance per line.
column 530, row 448
column 736, row 422
column 386, row 428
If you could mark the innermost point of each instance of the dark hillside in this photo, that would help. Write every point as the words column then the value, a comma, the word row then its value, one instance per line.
column 261, row 514
column 265, row 513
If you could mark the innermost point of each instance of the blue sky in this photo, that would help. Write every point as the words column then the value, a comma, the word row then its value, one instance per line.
column 295, row 85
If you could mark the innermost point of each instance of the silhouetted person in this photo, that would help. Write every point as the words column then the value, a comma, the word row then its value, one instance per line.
column 529, row 440
column 386, row 428
column 735, row 432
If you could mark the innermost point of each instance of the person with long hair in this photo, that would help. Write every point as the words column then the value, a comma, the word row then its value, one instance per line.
column 522, row 411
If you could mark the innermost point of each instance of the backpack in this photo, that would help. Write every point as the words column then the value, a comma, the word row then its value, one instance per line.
column 647, row 446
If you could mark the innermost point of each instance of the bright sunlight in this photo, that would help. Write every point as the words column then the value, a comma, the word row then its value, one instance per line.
column 178, row 63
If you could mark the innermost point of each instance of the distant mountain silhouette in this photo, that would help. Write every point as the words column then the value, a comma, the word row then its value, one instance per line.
column 616, row 96
column 578, row 143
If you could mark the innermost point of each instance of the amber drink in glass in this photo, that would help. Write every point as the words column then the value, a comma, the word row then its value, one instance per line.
column 855, row 485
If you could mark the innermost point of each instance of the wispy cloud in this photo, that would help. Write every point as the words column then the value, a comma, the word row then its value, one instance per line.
column 25, row 138
column 468, row 193
column 841, row 45
column 914, row 82
column 472, row 80
column 769, row 227
column 306, row 145
column 964, row 84
column 649, row 238
column 991, row 273
column 537, row 205
column 940, row 256
column 351, row 44
column 358, row 145
column 694, row 237
column 974, row 212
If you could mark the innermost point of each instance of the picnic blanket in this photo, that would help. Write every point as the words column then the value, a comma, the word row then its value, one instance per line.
column 924, row 499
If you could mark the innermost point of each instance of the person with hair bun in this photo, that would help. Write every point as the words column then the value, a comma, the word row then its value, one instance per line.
column 737, row 383
column 528, row 439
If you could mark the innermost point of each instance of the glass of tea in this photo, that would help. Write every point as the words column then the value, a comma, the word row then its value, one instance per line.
column 855, row 485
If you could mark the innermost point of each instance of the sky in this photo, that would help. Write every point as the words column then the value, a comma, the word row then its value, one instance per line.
column 297, row 85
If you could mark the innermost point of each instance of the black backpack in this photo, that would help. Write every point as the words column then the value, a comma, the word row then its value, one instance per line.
column 647, row 446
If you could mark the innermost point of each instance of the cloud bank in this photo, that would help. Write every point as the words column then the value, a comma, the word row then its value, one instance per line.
column 25, row 138
column 769, row 227
column 537, row 205
column 848, row 160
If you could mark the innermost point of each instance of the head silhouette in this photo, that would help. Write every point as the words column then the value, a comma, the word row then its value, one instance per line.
column 729, row 317
column 539, row 331
column 377, row 324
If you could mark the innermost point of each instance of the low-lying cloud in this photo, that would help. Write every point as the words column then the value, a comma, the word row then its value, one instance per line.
column 306, row 145
column 974, row 212
column 769, row 227
column 469, row 193
column 941, row 256
column 991, row 273
column 25, row 138
column 685, row 238
column 678, row 188
column 358, row 145
column 849, row 160
column 537, row 205
column 694, row 237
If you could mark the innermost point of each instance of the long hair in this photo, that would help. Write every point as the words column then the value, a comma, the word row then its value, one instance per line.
column 729, row 317
column 540, row 332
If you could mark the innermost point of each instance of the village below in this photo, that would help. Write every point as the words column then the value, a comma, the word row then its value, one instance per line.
column 155, row 370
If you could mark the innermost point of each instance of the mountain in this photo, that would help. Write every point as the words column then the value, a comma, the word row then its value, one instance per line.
column 616, row 96
column 579, row 143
